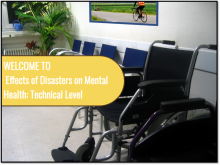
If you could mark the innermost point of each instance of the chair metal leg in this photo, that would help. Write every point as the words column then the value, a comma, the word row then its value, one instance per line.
column 90, row 121
column 120, row 127
column 79, row 116
column 118, row 152
column 101, row 123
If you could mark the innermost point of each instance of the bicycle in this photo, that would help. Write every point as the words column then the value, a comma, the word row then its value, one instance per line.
column 136, row 15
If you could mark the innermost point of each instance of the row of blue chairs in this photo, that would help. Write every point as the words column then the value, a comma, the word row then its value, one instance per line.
column 132, row 57
column 133, row 62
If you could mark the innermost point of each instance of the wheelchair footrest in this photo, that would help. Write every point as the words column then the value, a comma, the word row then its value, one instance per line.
column 63, row 154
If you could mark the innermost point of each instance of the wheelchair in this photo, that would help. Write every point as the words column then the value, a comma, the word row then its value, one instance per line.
column 192, row 140
column 167, row 76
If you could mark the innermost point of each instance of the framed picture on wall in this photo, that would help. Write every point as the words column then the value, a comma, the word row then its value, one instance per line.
column 135, row 13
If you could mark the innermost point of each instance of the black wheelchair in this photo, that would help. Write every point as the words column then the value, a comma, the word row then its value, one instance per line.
column 167, row 76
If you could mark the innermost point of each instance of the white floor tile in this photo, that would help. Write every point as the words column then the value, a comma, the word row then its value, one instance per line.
column 30, row 133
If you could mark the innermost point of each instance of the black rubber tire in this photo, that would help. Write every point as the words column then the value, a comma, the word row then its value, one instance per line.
column 82, row 153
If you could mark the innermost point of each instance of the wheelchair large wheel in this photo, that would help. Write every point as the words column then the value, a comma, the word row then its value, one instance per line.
column 166, row 120
column 169, row 119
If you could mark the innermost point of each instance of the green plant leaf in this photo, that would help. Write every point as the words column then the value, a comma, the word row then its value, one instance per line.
column 49, row 19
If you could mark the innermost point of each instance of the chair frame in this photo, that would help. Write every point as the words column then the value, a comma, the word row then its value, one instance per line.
column 64, row 49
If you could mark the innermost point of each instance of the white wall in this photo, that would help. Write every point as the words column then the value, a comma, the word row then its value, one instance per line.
column 188, row 23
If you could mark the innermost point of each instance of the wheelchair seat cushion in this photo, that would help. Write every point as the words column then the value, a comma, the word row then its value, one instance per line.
column 113, row 111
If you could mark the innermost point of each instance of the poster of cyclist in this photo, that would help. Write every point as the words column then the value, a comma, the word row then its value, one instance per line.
column 131, row 12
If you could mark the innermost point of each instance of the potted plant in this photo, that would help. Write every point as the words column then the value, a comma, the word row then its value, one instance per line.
column 24, row 7
column 49, row 23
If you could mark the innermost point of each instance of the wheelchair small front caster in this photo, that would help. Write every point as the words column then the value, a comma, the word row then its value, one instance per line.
column 84, row 152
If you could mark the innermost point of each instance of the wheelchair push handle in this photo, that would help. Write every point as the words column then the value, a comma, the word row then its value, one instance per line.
column 168, row 42
column 213, row 47
column 210, row 46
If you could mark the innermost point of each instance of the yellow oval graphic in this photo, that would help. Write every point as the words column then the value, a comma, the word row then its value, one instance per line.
column 60, row 80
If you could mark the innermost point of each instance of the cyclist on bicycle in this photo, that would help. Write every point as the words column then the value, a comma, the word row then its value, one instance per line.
column 141, row 6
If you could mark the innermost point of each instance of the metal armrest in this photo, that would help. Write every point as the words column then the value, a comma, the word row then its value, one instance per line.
column 161, row 83
column 137, row 70
column 132, row 69
column 121, row 65
column 59, row 49
column 183, row 105
column 68, row 51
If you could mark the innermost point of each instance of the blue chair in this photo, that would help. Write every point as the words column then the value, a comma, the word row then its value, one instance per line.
column 134, row 62
column 134, row 58
column 108, row 51
column 75, row 48
column 88, row 49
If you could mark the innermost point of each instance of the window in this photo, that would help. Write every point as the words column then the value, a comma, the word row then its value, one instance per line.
column 11, row 13
column 6, row 25
column 8, row 16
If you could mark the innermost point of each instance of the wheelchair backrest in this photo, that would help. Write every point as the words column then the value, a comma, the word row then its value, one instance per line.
column 164, row 63
column 167, row 63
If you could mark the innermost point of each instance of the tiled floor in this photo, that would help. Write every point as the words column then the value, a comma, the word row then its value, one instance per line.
column 30, row 133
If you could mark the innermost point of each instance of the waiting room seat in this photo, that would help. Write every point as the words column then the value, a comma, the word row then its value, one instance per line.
column 133, row 62
column 108, row 51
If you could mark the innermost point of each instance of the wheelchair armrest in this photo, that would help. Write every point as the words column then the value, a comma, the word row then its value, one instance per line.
column 183, row 105
column 137, row 70
column 161, row 83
